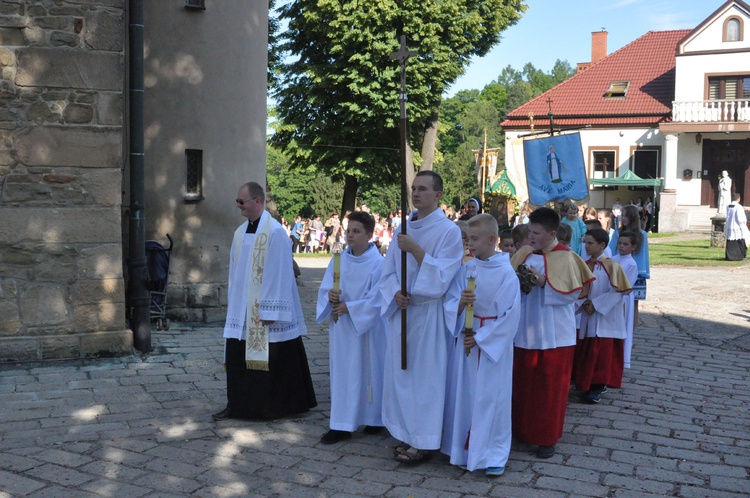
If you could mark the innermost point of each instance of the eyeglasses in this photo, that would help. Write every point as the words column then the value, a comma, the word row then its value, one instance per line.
column 242, row 202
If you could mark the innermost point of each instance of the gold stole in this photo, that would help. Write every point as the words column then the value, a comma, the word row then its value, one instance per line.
column 256, row 352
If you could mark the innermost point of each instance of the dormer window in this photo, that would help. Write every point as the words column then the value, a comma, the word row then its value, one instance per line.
column 618, row 89
column 732, row 29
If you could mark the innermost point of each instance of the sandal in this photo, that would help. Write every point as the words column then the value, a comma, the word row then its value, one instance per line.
column 413, row 456
column 401, row 449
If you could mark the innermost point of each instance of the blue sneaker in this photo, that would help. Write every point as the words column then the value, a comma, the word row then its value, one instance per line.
column 494, row 471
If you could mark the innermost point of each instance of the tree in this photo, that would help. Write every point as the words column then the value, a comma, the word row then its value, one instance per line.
column 459, row 167
column 304, row 193
column 338, row 97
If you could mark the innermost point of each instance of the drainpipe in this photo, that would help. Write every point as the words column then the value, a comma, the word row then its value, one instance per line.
column 138, row 293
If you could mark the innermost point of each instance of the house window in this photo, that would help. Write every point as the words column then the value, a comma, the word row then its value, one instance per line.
column 646, row 162
column 195, row 4
column 729, row 87
column 617, row 89
column 605, row 165
column 193, row 174
column 732, row 29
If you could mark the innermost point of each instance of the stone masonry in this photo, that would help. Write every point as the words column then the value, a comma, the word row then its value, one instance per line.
column 62, row 74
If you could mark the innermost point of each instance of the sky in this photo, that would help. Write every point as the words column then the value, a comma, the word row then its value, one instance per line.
column 561, row 29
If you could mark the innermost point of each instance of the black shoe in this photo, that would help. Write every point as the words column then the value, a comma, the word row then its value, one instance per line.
column 545, row 451
column 593, row 397
column 373, row 429
column 225, row 414
column 334, row 436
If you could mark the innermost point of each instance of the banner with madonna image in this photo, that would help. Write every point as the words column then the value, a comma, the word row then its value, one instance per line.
column 555, row 169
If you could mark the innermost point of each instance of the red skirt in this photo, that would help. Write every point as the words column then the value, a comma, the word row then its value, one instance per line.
column 598, row 360
column 541, row 381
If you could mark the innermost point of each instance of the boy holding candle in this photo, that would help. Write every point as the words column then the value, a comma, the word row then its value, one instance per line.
column 546, row 337
column 477, row 424
column 349, row 296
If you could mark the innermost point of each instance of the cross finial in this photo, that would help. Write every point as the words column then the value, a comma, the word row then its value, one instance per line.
column 549, row 103
column 403, row 54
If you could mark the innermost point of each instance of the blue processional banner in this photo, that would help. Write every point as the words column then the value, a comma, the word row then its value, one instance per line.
column 555, row 170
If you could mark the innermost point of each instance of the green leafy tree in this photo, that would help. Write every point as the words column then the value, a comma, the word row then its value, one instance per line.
column 338, row 97
column 300, row 192
column 459, row 167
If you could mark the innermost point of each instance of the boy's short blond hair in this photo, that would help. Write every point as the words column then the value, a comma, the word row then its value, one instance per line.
column 485, row 222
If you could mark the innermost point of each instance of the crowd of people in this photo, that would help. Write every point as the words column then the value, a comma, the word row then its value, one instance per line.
column 310, row 235
column 482, row 346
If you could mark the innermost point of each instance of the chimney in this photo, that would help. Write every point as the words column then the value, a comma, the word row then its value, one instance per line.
column 598, row 46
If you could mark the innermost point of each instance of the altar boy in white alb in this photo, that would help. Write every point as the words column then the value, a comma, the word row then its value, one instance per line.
column 413, row 399
column 356, row 333
column 477, row 425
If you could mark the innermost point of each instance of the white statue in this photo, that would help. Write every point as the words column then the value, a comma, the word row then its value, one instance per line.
column 725, row 192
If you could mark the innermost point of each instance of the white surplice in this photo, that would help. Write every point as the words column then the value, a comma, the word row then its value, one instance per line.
column 356, row 341
column 608, row 321
column 279, row 298
column 478, row 402
column 548, row 320
column 413, row 399
column 630, row 267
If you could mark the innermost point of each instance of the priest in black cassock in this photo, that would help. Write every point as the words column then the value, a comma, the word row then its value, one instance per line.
column 267, row 372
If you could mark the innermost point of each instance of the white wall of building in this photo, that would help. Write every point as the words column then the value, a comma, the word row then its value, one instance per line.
column 205, row 88
column 711, row 36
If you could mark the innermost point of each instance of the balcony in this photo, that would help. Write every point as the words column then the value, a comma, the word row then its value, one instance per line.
column 711, row 111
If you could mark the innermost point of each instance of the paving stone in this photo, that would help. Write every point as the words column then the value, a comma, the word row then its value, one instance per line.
column 417, row 491
column 59, row 474
column 359, row 487
column 638, row 484
column 108, row 487
column 730, row 484
column 60, row 457
column 576, row 488
column 713, row 470
column 525, row 492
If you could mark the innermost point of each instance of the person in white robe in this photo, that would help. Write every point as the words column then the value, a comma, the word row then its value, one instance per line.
column 546, row 337
column 414, row 398
column 267, row 372
column 477, row 426
column 625, row 246
column 599, row 352
column 737, row 234
column 356, row 333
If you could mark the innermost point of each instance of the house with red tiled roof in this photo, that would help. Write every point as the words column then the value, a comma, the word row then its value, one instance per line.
column 671, row 105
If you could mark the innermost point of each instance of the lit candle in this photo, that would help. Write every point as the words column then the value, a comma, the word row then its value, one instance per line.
column 336, row 250
column 471, row 276
column 336, row 271
column 470, row 285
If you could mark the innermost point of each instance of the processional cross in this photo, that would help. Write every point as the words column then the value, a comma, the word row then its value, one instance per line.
column 403, row 55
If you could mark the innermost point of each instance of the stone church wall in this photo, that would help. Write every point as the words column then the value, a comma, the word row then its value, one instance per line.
column 62, row 74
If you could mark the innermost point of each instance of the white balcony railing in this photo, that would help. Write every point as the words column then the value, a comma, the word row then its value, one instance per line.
column 711, row 111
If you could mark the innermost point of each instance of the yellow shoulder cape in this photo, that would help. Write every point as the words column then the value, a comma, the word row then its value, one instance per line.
column 566, row 272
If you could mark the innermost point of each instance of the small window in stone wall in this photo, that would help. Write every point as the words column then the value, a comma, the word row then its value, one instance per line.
column 195, row 4
column 193, row 174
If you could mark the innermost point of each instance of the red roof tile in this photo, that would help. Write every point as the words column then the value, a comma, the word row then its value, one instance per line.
column 648, row 63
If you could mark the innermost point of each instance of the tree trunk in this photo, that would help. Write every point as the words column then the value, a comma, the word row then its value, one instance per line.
column 428, row 143
column 349, row 200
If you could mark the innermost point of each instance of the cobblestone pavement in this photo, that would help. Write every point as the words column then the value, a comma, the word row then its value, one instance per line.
column 141, row 425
